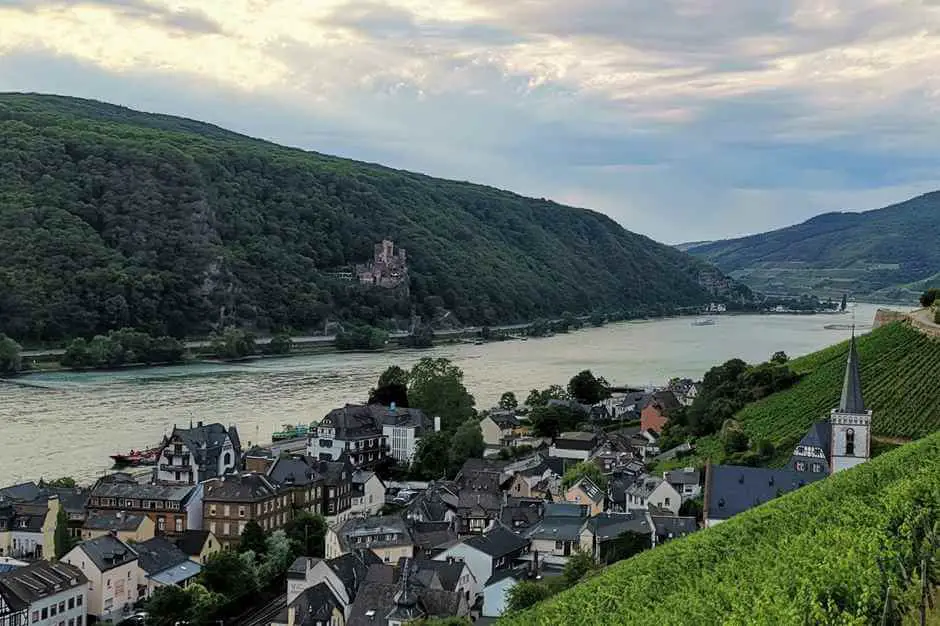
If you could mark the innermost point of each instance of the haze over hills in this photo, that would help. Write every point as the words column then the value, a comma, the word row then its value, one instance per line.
column 888, row 254
column 110, row 218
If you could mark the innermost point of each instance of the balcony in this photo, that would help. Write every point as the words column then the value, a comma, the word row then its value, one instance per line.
column 167, row 467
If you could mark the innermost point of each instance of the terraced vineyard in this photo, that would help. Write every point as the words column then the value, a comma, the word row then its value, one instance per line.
column 825, row 554
column 900, row 370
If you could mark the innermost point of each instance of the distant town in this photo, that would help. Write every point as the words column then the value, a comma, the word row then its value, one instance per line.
column 383, row 513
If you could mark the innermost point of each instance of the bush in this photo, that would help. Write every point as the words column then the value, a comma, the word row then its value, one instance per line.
column 361, row 338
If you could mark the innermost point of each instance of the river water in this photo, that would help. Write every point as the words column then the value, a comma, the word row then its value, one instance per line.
column 66, row 424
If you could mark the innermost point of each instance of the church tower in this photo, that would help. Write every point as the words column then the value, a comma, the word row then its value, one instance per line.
column 850, row 444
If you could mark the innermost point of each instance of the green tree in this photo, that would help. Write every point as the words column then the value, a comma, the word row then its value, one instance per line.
column 780, row 357
column 550, row 421
column 308, row 532
column 432, row 455
column 588, row 389
column 421, row 337
column 364, row 337
column 541, row 398
column 508, row 401
column 105, row 352
column 393, row 375
column 281, row 343
column 467, row 443
column 581, row 470
column 733, row 438
column 231, row 575
column 10, row 356
column 168, row 606
column 623, row 546
column 166, row 350
column 929, row 297
column 578, row 565
column 252, row 538
column 64, row 482
column 278, row 555
column 436, row 386
column 233, row 343
column 62, row 539
column 525, row 594
column 76, row 354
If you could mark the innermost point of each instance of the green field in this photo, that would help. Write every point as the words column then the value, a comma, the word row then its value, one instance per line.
column 825, row 554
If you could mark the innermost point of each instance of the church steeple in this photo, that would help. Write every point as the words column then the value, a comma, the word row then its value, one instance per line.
column 852, row 402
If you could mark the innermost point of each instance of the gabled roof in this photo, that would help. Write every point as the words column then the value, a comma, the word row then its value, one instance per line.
column 521, row 513
column 590, row 489
column 108, row 552
column 293, row 471
column 565, row 509
column 205, row 443
column 374, row 532
column 730, row 489
column 498, row 542
column 192, row 542
column 351, row 569
column 504, row 419
column 113, row 520
column 23, row 492
column 40, row 580
column 611, row 525
column 448, row 573
column 685, row 476
column 851, row 401
column 557, row 529
column 644, row 486
column 239, row 488
column 429, row 536
column 819, row 436
column 315, row 605
column 158, row 554
column 670, row 526
column 136, row 491
column 663, row 399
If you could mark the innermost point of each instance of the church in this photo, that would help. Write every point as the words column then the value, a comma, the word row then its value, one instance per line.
column 832, row 445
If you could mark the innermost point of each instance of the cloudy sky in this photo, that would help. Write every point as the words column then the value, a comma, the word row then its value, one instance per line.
column 682, row 119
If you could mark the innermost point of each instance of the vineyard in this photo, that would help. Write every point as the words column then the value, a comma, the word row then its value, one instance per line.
column 900, row 371
column 826, row 554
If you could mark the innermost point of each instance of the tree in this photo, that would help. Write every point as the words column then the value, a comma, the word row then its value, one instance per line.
column 421, row 337
column 588, row 389
column 508, row 401
column 467, row 443
column 393, row 375
column 252, row 538
column 365, row 337
column 733, row 438
column 308, row 532
column 579, row 564
column 169, row 605
column 780, row 357
column 581, row 470
column 525, row 594
column 929, row 297
column 233, row 343
column 392, row 387
column 10, row 356
column 76, row 354
column 432, row 455
column 62, row 539
column 550, row 421
column 436, row 386
column 541, row 398
column 65, row 482
column 278, row 555
column 692, row 508
column 623, row 546
column 231, row 575
column 281, row 343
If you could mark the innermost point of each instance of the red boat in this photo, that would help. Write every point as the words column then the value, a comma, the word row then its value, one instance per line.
column 136, row 458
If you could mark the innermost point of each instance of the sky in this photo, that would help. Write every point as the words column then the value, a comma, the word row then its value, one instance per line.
column 684, row 120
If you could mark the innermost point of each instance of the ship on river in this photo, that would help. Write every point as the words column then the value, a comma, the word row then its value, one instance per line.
column 291, row 431
column 136, row 458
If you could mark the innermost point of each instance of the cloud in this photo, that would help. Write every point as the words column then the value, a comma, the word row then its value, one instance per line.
column 683, row 119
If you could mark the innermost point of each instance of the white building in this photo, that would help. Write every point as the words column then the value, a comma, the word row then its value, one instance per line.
column 368, row 494
column 687, row 481
column 495, row 592
column 652, row 490
column 487, row 554
column 110, row 565
column 191, row 455
column 52, row 593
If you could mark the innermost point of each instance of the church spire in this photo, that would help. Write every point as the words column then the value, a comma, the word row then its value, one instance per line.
column 852, row 402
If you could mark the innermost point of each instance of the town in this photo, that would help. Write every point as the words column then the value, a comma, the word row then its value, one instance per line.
column 388, row 514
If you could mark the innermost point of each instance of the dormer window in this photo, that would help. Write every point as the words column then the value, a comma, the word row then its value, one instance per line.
column 850, row 442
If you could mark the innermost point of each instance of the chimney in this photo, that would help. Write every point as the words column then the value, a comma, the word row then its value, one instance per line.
column 199, row 424
column 437, row 423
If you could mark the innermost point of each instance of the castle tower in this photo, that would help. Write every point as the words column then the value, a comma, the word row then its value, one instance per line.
column 851, row 422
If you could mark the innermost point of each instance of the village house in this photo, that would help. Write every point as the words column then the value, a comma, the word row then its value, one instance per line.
column 160, row 563
column 437, row 503
column 198, row 545
column 600, row 532
column 649, row 491
column 585, row 491
column 337, row 489
column 299, row 479
column 44, row 594
column 499, row 427
column 323, row 590
column 685, row 390
column 403, row 428
column 496, row 591
column 432, row 538
column 519, row 514
column 189, row 456
column 230, row 502
column 669, row 527
column 27, row 528
column 829, row 446
column 499, row 549
column 389, row 537
column 655, row 413
column 351, row 430
column 477, row 510
column 173, row 508
column 258, row 459
column 128, row 527
column 367, row 496
column 574, row 445
column 558, row 535
column 687, row 481
column 110, row 565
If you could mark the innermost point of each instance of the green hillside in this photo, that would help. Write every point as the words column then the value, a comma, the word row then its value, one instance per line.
column 111, row 218
column 872, row 254
column 824, row 554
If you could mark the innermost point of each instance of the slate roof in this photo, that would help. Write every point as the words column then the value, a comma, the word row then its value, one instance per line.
column 352, row 422
column 137, row 491
column 314, row 605
column 108, row 552
column 482, row 502
column 29, row 517
column 24, row 492
column 293, row 471
column 158, row 554
column 576, row 441
column 504, row 419
column 372, row 532
column 851, row 400
column 191, row 542
column 611, row 525
column 351, row 569
column 683, row 477
column 590, row 489
column 730, row 489
column 113, row 520
column 429, row 536
column 447, row 573
column 73, row 500
column 433, row 503
column 205, row 445
column 520, row 513
column 565, row 509
column 39, row 580
column 497, row 543
column 13, row 603
column 557, row 529
column 664, row 399
column 178, row 573
column 502, row 574
column 670, row 527
column 560, row 465
column 239, row 488
column 644, row 486
column 402, row 417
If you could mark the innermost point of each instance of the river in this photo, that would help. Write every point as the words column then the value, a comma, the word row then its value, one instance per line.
column 66, row 424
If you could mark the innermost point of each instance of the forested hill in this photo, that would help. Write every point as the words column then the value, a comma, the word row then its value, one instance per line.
column 112, row 218
column 888, row 253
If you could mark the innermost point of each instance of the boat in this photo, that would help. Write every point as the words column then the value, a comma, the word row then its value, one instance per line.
column 703, row 323
column 136, row 458
column 291, row 431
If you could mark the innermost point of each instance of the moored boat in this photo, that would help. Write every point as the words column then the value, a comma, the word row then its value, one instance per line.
column 136, row 458
column 291, row 431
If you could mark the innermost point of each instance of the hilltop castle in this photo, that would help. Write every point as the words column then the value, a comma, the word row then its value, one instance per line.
column 840, row 442
column 388, row 269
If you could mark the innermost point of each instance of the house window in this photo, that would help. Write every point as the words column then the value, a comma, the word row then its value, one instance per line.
column 178, row 477
column 212, row 510
column 666, row 501
column 850, row 442
column 35, row 616
column 53, row 610
column 559, row 545
column 817, row 468
column 226, row 510
column 45, row 612
column 212, row 527
column 71, row 603
column 178, row 524
column 800, row 466
column 241, row 511
column 62, row 607
column 161, row 524
column 78, row 600
column 226, row 529
column 227, row 459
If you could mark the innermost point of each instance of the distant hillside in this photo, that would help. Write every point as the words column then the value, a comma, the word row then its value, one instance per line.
column 814, row 556
column 685, row 247
column 880, row 254
column 110, row 217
